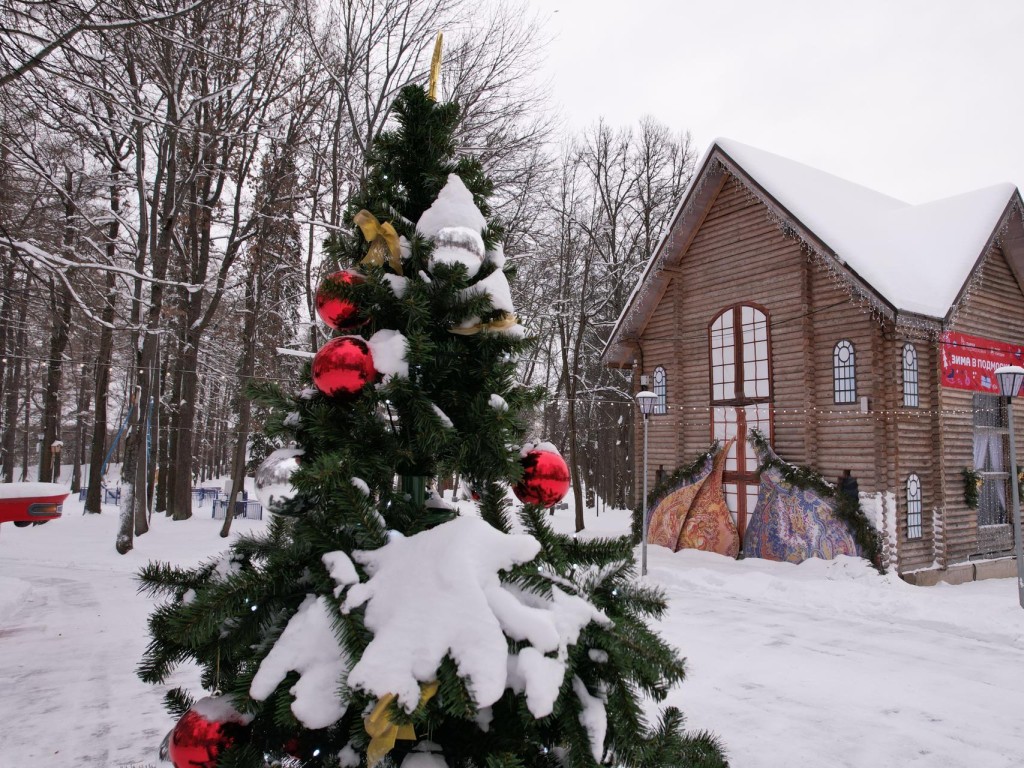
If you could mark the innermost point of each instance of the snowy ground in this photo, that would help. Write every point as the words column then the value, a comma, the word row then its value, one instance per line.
column 818, row 664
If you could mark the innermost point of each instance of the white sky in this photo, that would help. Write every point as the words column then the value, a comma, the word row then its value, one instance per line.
column 919, row 99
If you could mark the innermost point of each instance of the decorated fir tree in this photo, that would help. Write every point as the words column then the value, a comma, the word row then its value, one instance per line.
column 372, row 624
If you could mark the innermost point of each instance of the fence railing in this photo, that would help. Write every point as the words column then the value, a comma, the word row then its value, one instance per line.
column 110, row 495
column 250, row 510
column 244, row 507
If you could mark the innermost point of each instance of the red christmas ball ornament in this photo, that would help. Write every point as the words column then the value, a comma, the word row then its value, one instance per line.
column 343, row 366
column 545, row 478
column 206, row 730
column 340, row 314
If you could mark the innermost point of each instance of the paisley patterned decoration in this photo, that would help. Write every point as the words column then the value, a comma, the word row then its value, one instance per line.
column 792, row 524
column 709, row 525
column 670, row 511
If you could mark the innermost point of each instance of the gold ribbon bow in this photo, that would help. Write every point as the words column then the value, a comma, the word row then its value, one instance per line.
column 383, row 240
column 384, row 731
column 502, row 323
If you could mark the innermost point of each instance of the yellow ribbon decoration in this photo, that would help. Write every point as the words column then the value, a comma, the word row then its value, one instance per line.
column 435, row 68
column 383, row 240
column 384, row 731
column 502, row 323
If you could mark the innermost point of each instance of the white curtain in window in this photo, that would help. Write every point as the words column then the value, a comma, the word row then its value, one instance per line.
column 988, row 457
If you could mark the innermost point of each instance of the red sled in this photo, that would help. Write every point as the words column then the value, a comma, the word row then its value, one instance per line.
column 30, row 503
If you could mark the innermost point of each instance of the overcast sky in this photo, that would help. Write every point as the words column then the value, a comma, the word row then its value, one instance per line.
column 919, row 99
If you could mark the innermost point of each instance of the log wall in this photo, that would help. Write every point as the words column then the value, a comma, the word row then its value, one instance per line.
column 918, row 441
column 994, row 309
column 740, row 255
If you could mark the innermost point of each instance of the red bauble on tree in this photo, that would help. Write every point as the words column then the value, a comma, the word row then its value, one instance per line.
column 340, row 314
column 343, row 366
column 206, row 730
column 545, row 478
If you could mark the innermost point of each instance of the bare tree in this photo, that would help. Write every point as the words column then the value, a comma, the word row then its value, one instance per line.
column 616, row 192
column 33, row 30
column 142, row 148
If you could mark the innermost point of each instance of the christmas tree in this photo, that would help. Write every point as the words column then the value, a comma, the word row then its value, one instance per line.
column 372, row 624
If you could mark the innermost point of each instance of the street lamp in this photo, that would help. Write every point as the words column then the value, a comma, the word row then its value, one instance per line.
column 646, row 400
column 1010, row 379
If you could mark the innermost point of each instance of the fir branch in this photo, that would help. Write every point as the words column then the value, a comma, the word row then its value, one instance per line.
column 972, row 486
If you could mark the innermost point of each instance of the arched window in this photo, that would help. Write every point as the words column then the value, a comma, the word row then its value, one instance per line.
column 913, row 507
column 741, row 398
column 844, row 372
column 661, row 390
column 910, row 399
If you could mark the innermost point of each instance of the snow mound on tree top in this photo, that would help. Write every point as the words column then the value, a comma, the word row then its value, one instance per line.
column 454, row 207
column 438, row 593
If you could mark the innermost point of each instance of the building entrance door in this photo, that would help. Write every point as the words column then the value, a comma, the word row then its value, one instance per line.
column 741, row 396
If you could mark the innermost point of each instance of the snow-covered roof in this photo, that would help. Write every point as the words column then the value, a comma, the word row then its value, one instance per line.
column 914, row 258
column 917, row 257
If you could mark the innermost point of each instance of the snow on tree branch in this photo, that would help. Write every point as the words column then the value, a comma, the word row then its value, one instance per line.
column 438, row 593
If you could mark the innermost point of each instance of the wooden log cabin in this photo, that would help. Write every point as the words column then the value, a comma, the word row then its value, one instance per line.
column 857, row 331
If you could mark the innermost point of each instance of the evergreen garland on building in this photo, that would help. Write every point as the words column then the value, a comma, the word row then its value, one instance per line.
column 684, row 475
column 847, row 509
column 972, row 486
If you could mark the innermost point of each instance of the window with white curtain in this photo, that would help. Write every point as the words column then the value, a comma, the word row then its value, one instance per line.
column 990, row 433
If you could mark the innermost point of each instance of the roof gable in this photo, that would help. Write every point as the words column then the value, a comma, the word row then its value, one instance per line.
column 912, row 258
column 916, row 257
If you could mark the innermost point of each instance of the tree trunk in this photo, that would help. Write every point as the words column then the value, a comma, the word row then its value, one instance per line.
column 134, row 473
column 101, row 383
column 60, row 310
column 574, row 462
column 246, row 371
column 7, row 331
column 180, row 501
column 82, row 408
column 164, row 467
column 27, row 444
column 17, row 371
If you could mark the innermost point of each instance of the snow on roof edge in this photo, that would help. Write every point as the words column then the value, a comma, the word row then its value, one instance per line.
column 882, row 242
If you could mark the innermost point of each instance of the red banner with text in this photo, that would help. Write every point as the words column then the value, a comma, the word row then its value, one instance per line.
column 969, row 362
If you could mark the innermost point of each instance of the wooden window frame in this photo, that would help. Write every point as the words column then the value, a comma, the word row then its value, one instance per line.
column 844, row 374
column 914, row 507
column 743, row 476
column 911, row 377
column 990, row 479
column 660, row 388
